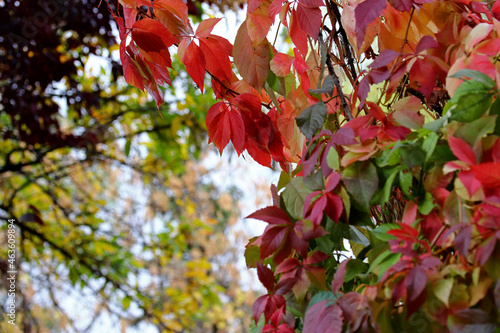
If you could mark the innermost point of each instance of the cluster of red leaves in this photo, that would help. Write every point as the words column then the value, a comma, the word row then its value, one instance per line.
column 443, row 156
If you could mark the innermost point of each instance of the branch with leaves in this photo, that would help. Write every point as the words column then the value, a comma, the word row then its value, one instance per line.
column 412, row 185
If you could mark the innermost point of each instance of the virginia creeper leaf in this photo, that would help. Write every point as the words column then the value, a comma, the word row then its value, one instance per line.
column 361, row 181
column 365, row 13
column 294, row 196
column 251, row 60
column 311, row 119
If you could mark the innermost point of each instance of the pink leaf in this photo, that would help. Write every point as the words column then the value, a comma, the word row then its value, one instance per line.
column 426, row 42
column 271, row 215
column 365, row 13
column 385, row 57
column 338, row 278
column 281, row 64
column 344, row 136
column 462, row 150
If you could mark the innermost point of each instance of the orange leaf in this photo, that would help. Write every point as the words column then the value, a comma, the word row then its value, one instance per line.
column 251, row 60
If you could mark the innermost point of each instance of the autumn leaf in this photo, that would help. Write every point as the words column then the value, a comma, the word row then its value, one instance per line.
column 251, row 60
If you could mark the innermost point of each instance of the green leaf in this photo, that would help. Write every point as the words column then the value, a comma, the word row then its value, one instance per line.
column 357, row 236
column 315, row 181
column 126, row 302
column 387, row 190
column 406, row 181
column 353, row 268
column 361, row 181
column 326, row 88
column 333, row 159
column 384, row 261
column 442, row 289
column 471, row 100
column 429, row 145
column 252, row 256
column 322, row 296
column 425, row 206
column 260, row 325
column 390, row 157
column 311, row 119
column 495, row 110
column 474, row 131
column 284, row 180
column 437, row 124
column 294, row 196
column 413, row 156
column 127, row 147
column 275, row 83
column 289, row 82
column 381, row 231
column 475, row 75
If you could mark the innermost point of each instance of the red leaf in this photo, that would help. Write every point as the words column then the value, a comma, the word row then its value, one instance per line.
column 410, row 213
column 488, row 174
column 309, row 20
column 266, row 277
column 284, row 286
column 275, row 8
column 281, row 63
column 258, row 25
column 423, row 73
column 485, row 250
column 385, row 57
column 316, row 213
column 206, row 26
column 406, row 232
column 415, row 282
column 316, row 257
column 285, row 248
column 495, row 10
column 313, row 315
column 297, row 35
column 462, row 240
column 334, row 206
column 216, row 58
column 259, row 307
column 253, row 5
column 298, row 243
column 271, row 240
column 195, row 64
column 331, row 320
column 251, row 60
column 462, row 150
column 312, row 3
column 344, row 136
column 402, row 5
column 288, row 265
column 365, row 13
column 299, row 63
column 425, row 43
column 471, row 183
column 271, row 215
column 130, row 71
column 338, row 278
column 152, row 36
column 224, row 123
column 332, row 181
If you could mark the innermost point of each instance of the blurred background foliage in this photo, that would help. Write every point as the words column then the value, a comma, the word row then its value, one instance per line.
column 119, row 224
